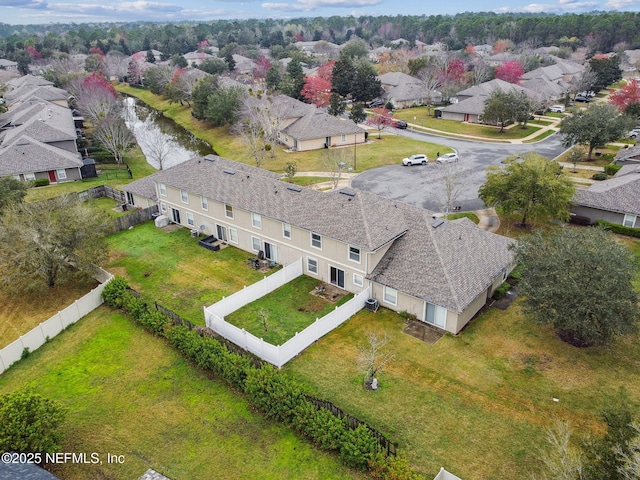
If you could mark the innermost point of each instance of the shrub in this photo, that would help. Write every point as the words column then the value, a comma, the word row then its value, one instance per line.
column 501, row 291
column 621, row 229
column 358, row 447
column 114, row 291
column 273, row 393
column 599, row 176
column 320, row 425
column 391, row 468
column 516, row 273
column 41, row 182
column 612, row 169
column 580, row 220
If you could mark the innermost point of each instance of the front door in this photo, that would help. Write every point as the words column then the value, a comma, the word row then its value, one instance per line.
column 336, row 277
column 222, row 232
column 175, row 215
column 52, row 176
column 435, row 315
column 270, row 252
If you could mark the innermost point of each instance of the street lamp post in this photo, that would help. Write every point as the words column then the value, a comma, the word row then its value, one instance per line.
column 355, row 157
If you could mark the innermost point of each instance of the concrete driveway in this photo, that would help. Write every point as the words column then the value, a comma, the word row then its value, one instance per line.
column 425, row 186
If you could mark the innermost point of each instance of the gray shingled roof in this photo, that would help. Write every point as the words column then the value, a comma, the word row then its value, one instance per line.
column 365, row 220
column 290, row 107
column 28, row 80
column 27, row 155
column 487, row 88
column 48, row 125
column 34, row 106
column 46, row 92
column 472, row 105
column 619, row 194
column 447, row 266
column 629, row 153
column 24, row 471
column 145, row 187
column 397, row 78
column 318, row 124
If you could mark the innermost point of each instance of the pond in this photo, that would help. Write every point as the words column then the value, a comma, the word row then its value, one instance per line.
column 163, row 142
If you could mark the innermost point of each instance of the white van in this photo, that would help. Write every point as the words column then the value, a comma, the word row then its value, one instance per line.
column 556, row 108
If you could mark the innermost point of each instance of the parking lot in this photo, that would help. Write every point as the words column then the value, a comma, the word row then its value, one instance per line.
column 426, row 185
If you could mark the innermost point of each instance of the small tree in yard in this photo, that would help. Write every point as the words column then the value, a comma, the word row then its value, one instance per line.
column 560, row 462
column 380, row 119
column 50, row 242
column 373, row 357
column 30, row 423
column 581, row 282
column 335, row 161
column 357, row 114
column 11, row 191
column 535, row 187
column 595, row 127
column 114, row 135
column 574, row 157
column 155, row 144
column 290, row 170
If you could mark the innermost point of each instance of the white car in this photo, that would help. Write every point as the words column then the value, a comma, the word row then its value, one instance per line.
column 556, row 108
column 634, row 133
column 417, row 159
column 448, row 158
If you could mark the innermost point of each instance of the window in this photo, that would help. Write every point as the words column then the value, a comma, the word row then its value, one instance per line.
column 316, row 240
column 190, row 220
column 228, row 211
column 163, row 207
column 354, row 254
column 29, row 176
column 233, row 235
column 130, row 200
column 312, row 265
column 163, row 189
column 344, row 138
column 184, row 196
column 62, row 173
column 204, row 202
column 629, row 221
column 358, row 280
column 255, row 242
column 256, row 220
column 390, row 295
column 286, row 230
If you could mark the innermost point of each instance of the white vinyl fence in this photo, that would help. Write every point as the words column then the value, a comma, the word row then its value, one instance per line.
column 54, row 325
column 281, row 354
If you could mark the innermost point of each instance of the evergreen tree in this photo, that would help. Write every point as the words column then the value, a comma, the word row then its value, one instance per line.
column 273, row 77
column 336, row 105
column 357, row 114
column 293, row 82
column 342, row 76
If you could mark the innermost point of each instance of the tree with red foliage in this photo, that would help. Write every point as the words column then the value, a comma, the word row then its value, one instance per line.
column 510, row 71
column 452, row 77
column 34, row 53
column 380, row 119
column 317, row 90
column 96, row 98
column 96, row 51
column 326, row 70
column 262, row 67
column 501, row 46
column 471, row 51
column 627, row 96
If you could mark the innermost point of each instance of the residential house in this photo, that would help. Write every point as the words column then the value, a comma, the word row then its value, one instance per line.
column 404, row 91
column 470, row 105
column 26, row 158
column 626, row 156
column 616, row 200
column 8, row 65
column 31, row 80
column 441, row 271
column 48, row 93
column 24, row 471
column 320, row 47
column 195, row 58
column 244, row 65
column 500, row 58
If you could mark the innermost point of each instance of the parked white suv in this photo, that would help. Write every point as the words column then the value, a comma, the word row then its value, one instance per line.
column 556, row 108
column 448, row 158
column 417, row 159
column 634, row 133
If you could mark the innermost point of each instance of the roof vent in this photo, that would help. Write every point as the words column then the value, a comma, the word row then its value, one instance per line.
column 348, row 192
column 229, row 172
column 294, row 188
column 437, row 223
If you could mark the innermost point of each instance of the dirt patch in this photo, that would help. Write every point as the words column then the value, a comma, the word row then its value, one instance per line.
column 507, row 300
column 423, row 331
column 329, row 292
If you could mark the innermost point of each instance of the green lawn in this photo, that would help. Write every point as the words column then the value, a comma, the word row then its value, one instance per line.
column 173, row 269
column 389, row 150
column 134, row 158
column 462, row 128
column 304, row 181
column 129, row 393
column 479, row 403
column 470, row 215
column 286, row 311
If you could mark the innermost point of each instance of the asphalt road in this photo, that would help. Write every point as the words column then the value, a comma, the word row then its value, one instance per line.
column 426, row 186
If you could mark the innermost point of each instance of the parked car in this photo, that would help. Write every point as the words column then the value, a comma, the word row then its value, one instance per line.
column 581, row 98
column 634, row 133
column 448, row 158
column 376, row 103
column 400, row 124
column 556, row 108
column 416, row 159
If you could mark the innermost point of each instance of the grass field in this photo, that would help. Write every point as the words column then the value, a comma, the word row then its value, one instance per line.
column 389, row 150
column 304, row 181
column 176, row 271
column 290, row 309
column 129, row 393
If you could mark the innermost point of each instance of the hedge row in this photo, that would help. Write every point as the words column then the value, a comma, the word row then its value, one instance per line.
column 266, row 387
column 621, row 229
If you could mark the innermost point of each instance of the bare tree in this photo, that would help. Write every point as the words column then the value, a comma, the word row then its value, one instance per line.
column 560, row 462
column 630, row 465
column 335, row 161
column 584, row 81
column 480, row 72
column 431, row 83
column 266, row 114
column 114, row 135
column 116, row 65
column 373, row 357
column 451, row 186
column 95, row 99
column 252, row 135
column 155, row 144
